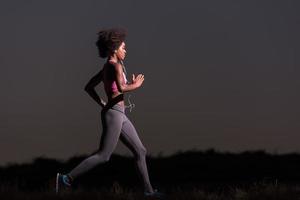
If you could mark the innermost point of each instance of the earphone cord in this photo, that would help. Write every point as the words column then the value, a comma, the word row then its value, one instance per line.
column 131, row 105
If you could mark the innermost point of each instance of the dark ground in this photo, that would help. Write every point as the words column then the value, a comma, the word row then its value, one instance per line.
column 184, row 175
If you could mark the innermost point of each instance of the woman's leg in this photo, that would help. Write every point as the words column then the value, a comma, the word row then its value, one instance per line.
column 131, row 139
column 112, row 122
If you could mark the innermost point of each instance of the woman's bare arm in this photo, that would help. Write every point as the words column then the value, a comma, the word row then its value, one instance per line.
column 90, row 88
column 122, row 86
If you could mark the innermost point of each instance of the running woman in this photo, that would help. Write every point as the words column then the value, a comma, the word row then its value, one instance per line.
column 115, row 123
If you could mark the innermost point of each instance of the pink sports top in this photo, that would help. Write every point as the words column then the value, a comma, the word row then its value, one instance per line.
column 110, row 84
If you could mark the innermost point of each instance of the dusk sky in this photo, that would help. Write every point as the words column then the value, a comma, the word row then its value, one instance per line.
column 218, row 74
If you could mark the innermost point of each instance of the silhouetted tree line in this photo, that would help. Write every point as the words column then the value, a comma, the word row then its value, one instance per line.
column 190, row 167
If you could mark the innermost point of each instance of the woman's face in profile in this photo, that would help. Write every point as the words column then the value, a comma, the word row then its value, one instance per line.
column 121, row 52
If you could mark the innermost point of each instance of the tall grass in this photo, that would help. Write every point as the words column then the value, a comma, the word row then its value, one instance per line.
column 255, row 191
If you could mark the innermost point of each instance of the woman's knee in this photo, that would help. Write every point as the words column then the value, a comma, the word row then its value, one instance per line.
column 142, row 151
column 103, row 157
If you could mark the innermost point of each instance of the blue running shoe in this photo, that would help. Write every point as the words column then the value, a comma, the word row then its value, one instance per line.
column 155, row 194
column 62, row 182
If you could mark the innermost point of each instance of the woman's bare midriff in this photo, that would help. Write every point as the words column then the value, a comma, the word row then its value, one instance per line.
column 121, row 103
column 114, row 95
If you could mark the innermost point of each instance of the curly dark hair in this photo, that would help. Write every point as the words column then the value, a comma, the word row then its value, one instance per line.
column 110, row 40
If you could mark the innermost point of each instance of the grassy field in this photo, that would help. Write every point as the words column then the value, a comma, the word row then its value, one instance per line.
column 208, row 175
column 255, row 191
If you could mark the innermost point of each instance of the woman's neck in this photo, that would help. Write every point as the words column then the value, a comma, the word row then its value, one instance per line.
column 114, row 58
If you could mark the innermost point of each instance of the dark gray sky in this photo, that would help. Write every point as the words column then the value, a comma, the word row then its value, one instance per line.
column 218, row 74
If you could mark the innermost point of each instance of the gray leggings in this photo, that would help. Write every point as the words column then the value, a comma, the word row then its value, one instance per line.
column 116, row 124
